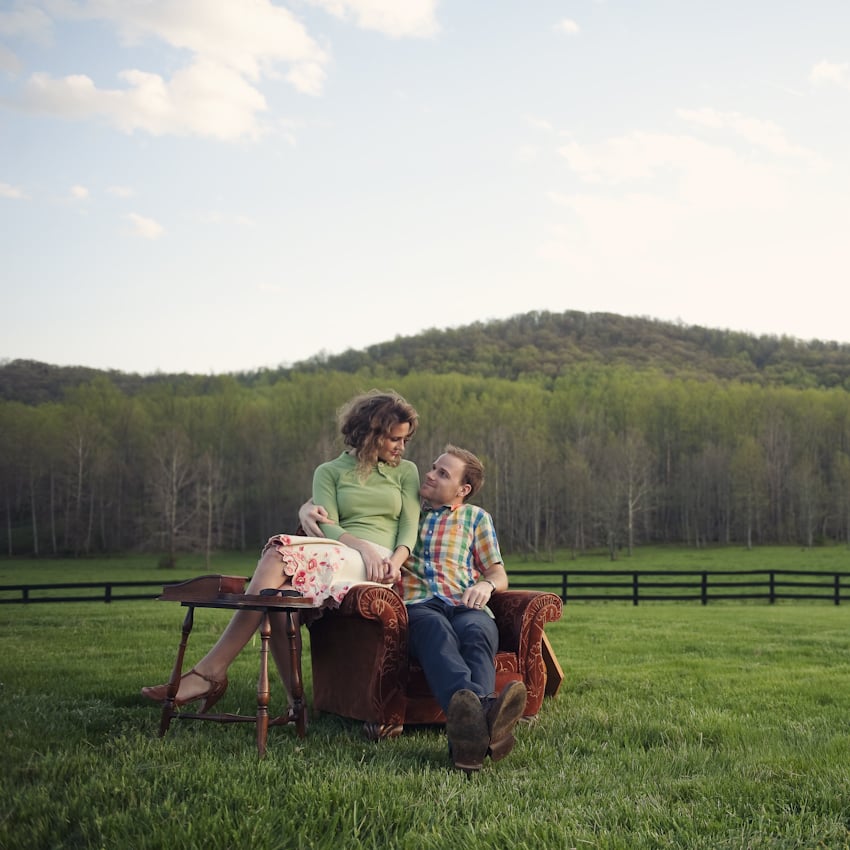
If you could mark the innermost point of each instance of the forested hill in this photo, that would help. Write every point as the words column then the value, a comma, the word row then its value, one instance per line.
column 548, row 344
column 537, row 344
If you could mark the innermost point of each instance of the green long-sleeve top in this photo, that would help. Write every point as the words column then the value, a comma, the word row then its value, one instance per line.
column 383, row 508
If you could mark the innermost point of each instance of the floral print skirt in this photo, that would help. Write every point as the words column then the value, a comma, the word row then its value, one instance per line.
column 320, row 569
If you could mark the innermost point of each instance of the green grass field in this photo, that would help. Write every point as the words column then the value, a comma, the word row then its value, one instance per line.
column 678, row 726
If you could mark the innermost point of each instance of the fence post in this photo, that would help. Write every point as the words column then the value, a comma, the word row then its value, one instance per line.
column 837, row 586
column 635, row 594
column 107, row 593
column 772, row 586
column 564, row 578
column 704, row 589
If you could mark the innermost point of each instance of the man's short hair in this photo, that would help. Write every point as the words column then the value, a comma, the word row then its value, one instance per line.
column 473, row 473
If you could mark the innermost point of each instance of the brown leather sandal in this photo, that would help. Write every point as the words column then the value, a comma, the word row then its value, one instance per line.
column 158, row 693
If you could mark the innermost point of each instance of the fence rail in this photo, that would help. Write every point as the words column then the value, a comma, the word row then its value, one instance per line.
column 30, row 593
column 701, row 586
column 633, row 586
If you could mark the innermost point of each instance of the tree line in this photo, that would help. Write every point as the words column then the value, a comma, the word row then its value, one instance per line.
column 542, row 345
column 602, row 456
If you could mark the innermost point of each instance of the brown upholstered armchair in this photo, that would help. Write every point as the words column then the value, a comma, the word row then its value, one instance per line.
column 361, row 668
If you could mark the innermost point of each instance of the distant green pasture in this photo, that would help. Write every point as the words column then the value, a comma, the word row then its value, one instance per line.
column 144, row 567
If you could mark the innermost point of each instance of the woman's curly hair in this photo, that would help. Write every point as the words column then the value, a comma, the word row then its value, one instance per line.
column 368, row 418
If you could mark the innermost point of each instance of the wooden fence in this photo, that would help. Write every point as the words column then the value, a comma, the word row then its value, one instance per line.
column 701, row 586
column 635, row 586
column 112, row 591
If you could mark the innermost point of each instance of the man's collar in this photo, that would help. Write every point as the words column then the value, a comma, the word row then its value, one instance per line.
column 441, row 508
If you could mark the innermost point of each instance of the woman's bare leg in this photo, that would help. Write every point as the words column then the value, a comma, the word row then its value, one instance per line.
column 242, row 625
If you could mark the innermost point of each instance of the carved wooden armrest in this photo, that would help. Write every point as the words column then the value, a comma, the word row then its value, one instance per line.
column 521, row 616
column 374, row 602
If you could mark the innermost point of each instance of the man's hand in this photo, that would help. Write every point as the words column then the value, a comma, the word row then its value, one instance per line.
column 310, row 515
column 477, row 596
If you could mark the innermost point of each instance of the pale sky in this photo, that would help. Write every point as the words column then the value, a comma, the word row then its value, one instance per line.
column 222, row 185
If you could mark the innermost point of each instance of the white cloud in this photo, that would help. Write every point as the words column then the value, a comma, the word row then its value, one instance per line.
column 633, row 157
column 23, row 21
column 539, row 123
column 204, row 100
column 11, row 192
column 396, row 18
column 655, row 218
column 26, row 20
column 568, row 27
column 145, row 227
column 251, row 37
column 79, row 193
column 702, row 174
column 835, row 73
column 763, row 134
column 9, row 62
column 233, row 48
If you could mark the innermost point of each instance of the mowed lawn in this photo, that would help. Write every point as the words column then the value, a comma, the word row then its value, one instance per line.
column 678, row 725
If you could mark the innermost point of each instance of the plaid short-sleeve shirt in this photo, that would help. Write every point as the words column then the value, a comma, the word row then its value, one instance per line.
column 456, row 545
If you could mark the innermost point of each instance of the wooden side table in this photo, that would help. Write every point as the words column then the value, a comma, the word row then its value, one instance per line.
column 221, row 592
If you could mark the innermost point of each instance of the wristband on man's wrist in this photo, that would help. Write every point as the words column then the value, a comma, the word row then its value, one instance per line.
column 492, row 584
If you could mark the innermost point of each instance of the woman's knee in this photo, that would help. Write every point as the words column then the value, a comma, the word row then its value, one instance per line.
column 269, row 571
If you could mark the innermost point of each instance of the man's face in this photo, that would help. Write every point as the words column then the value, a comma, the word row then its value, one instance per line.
column 443, row 483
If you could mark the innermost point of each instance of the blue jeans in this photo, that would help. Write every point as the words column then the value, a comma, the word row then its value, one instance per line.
column 455, row 646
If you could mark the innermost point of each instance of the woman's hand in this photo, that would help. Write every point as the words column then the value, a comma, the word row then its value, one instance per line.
column 392, row 572
column 394, row 563
column 373, row 560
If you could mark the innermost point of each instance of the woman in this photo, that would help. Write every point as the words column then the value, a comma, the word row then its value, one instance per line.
column 371, row 495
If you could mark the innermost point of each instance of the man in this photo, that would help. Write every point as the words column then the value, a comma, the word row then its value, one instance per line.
column 453, row 571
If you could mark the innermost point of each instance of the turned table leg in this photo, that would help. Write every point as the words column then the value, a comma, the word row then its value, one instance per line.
column 263, row 686
column 298, row 707
column 176, row 673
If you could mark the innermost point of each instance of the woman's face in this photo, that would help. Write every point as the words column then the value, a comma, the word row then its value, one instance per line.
column 391, row 449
